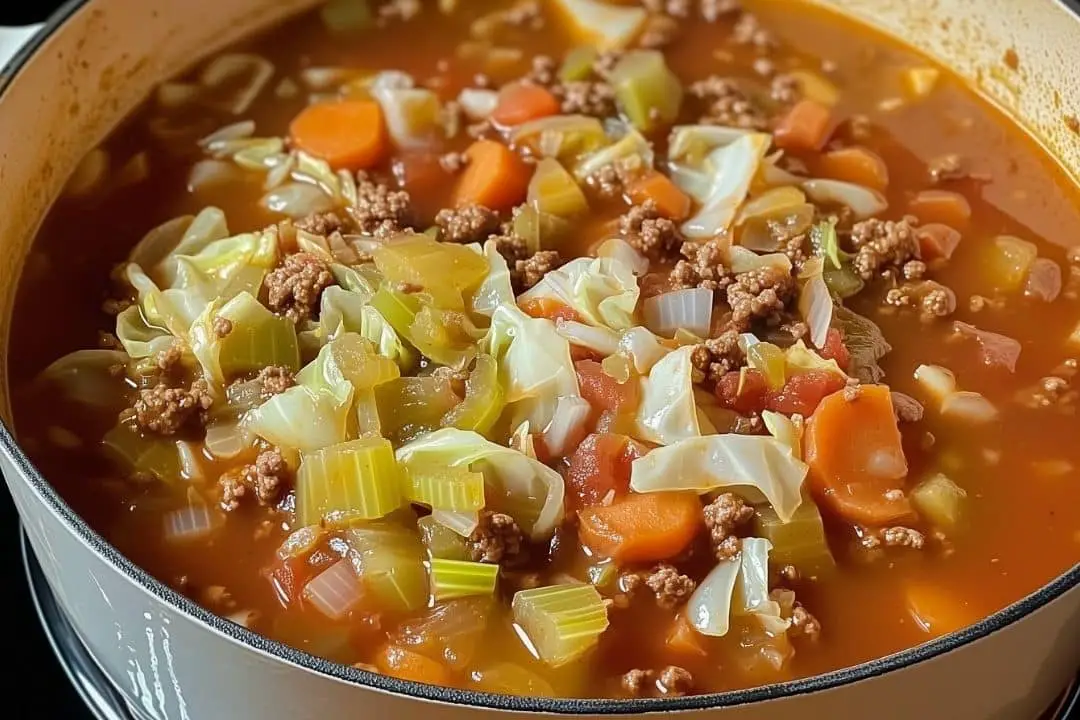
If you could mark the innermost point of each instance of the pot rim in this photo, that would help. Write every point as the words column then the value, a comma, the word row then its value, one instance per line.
column 484, row 700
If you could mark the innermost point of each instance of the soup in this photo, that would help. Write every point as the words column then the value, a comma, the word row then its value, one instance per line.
column 566, row 348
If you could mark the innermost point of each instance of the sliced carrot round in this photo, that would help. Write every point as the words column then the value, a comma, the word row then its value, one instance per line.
column 495, row 177
column 348, row 134
column 521, row 102
column 642, row 528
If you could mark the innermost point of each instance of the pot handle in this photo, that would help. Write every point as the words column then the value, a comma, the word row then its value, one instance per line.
column 13, row 38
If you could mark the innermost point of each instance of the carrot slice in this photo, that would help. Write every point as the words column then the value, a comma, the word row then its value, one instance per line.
column 404, row 664
column 806, row 126
column 941, row 206
column 671, row 202
column 495, row 177
column 521, row 102
column 548, row 308
column 855, row 165
column 936, row 611
column 856, row 459
column 348, row 134
column 642, row 527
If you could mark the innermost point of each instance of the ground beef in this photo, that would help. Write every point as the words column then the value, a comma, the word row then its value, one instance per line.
column 453, row 162
column 659, row 31
column 726, row 104
column 759, row 294
column 933, row 300
column 893, row 537
column 722, row 516
column 323, row 223
column 884, row 246
column 606, row 62
column 273, row 380
column 511, row 246
column 164, row 410
column 222, row 327
column 532, row 270
column 748, row 30
column 648, row 232
column 671, row 681
column 946, row 167
column 543, row 70
column 672, row 588
column 266, row 478
column 637, row 683
column 784, row 89
column 703, row 267
column 471, row 223
column 169, row 359
column 380, row 211
column 497, row 539
column 295, row 286
column 907, row 408
column 586, row 97
column 716, row 357
column 610, row 181
column 803, row 624
column 675, row 681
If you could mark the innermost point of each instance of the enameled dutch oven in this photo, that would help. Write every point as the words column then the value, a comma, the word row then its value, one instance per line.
column 95, row 60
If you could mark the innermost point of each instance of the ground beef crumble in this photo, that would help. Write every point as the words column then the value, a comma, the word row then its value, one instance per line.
column 726, row 104
column 671, row 681
column 585, row 97
column 933, row 300
column 703, row 267
column 759, row 294
column 722, row 516
column 453, row 162
column 892, row 537
column 380, row 211
column 274, row 380
column 532, row 270
column 324, row 223
column 295, row 286
column 497, row 539
column 648, row 232
column 266, row 478
column 716, row 357
column 907, row 408
column 884, row 246
column 165, row 410
column 803, row 624
column 1049, row 392
column 222, row 327
column 748, row 30
column 672, row 588
column 467, row 224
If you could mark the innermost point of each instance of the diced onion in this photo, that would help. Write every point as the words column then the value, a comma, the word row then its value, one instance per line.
column 863, row 201
column 1044, row 280
column 208, row 174
column 478, row 104
column 236, row 131
column 743, row 260
column 193, row 522
column 226, row 440
column 816, row 307
column 969, row 406
column 686, row 309
column 624, row 252
column 297, row 200
column 936, row 380
column 567, row 424
column 335, row 591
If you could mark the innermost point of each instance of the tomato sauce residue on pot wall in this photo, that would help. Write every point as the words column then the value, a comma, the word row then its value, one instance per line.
column 826, row 271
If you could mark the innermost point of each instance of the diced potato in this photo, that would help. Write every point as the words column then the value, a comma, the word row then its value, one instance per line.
column 1009, row 262
column 969, row 406
column 602, row 24
column 816, row 87
column 939, row 382
column 939, row 500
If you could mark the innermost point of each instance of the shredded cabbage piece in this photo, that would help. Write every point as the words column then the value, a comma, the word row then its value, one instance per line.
column 667, row 412
column 602, row 291
column 87, row 377
column 732, row 168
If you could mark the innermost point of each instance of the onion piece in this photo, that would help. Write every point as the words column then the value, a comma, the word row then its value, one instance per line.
column 995, row 349
column 462, row 523
column 235, row 131
column 297, row 200
column 815, row 303
column 689, row 309
column 478, row 104
column 226, row 440
column 743, row 260
column 335, row 591
column 709, row 608
column 969, row 406
column 624, row 252
column 250, row 72
column 936, row 380
column 193, row 522
column 567, row 424
column 211, row 174
column 1044, row 280
column 863, row 201
column 600, row 339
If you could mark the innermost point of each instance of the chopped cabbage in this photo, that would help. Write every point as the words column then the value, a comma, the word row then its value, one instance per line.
column 737, row 587
column 632, row 151
column 732, row 168
column 495, row 290
column 799, row 359
column 709, row 607
column 516, row 484
column 692, row 143
column 667, row 412
column 87, row 377
column 602, row 291
column 139, row 338
column 754, row 465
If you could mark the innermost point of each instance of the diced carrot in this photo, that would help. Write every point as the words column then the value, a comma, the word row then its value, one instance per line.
column 521, row 102
column 855, row 165
column 603, row 391
column 941, row 206
column 599, row 467
column 642, row 528
column 495, row 177
column 683, row 639
column 347, row 134
column 405, row 664
column 745, row 392
column 548, row 308
column 936, row 241
column 671, row 202
column 804, row 392
column 806, row 126
column 936, row 611
column 856, row 459
column 835, row 349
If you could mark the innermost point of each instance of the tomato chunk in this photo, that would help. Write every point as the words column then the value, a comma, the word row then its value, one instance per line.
column 803, row 393
column 835, row 349
column 600, row 466
column 744, row 392
column 603, row 391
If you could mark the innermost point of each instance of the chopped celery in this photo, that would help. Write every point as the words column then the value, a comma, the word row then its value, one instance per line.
column 554, row 191
column 562, row 621
column 940, row 500
column 844, row 282
column 564, row 137
column 800, row 542
column 411, row 406
column 484, row 399
column 769, row 360
column 1010, row 260
column 355, row 480
column 452, row 579
column 540, row 231
column 368, row 424
column 154, row 455
column 578, row 64
column 389, row 558
column 446, row 488
column 441, row 541
column 258, row 338
column 445, row 271
column 646, row 90
column 346, row 15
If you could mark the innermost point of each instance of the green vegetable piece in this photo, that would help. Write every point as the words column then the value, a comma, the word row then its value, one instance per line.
column 390, row 563
column 578, row 64
column 562, row 621
column 646, row 90
column 360, row 363
column 484, row 399
column 844, row 282
column 258, row 338
column 940, row 500
column 800, row 542
column 346, row 15
column 398, row 308
column 348, row 482
column 412, row 406
column 446, row 488
column 452, row 579
column 447, row 272
column 554, row 191
column 441, row 541
column 446, row 336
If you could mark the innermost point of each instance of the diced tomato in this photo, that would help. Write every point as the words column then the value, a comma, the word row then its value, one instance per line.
column 744, row 392
column 603, row 391
column 835, row 349
column 548, row 308
column 599, row 466
column 580, row 352
column 802, row 393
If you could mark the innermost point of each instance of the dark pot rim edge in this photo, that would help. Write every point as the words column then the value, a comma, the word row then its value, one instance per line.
column 561, row 706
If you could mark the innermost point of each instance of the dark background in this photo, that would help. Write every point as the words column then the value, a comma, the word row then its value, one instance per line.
column 35, row 666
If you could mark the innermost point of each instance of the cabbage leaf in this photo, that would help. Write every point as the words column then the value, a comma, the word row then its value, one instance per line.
column 667, row 412
column 602, row 291
column 732, row 168
column 87, row 377
column 495, row 290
